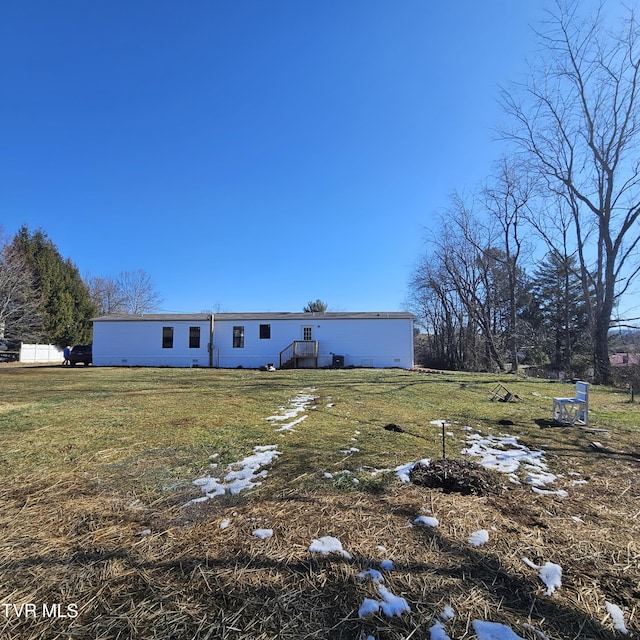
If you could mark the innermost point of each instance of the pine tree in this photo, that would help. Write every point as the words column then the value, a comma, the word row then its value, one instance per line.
column 561, row 309
column 66, row 305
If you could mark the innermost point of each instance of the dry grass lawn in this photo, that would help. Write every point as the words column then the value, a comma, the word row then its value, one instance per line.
column 98, row 466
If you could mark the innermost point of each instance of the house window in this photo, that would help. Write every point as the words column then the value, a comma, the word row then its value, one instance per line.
column 167, row 337
column 307, row 333
column 194, row 337
column 238, row 337
column 265, row 332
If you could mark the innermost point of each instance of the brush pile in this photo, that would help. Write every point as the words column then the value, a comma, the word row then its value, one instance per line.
column 457, row 476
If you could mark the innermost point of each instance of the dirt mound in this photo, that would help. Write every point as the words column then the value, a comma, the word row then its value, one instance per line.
column 457, row 476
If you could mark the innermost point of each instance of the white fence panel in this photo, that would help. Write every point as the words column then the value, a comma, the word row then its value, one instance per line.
column 40, row 353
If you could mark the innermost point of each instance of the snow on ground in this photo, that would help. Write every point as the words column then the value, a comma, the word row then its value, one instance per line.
column 242, row 475
column 427, row 521
column 448, row 613
column 326, row 545
column 263, row 534
column 494, row 631
column 478, row 538
column 389, row 603
column 437, row 632
column 617, row 616
column 403, row 470
column 297, row 405
column 504, row 453
column 550, row 573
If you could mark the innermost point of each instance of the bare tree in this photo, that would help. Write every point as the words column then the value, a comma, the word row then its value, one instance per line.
column 578, row 123
column 20, row 304
column 462, row 272
column 138, row 293
column 106, row 294
column 506, row 200
column 131, row 292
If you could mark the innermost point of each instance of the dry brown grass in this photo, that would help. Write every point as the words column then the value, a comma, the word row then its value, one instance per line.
column 68, row 541
column 77, row 493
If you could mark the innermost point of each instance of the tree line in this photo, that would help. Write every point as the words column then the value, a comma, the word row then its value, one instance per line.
column 43, row 297
column 486, row 294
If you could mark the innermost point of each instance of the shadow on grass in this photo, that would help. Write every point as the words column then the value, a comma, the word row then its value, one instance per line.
column 244, row 594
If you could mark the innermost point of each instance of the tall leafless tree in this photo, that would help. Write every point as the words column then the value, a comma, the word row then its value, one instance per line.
column 138, row 292
column 506, row 200
column 131, row 292
column 106, row 294
column 20, row 308
column 577, row 121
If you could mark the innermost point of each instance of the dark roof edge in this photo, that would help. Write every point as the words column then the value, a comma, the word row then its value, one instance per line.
column 285, row 315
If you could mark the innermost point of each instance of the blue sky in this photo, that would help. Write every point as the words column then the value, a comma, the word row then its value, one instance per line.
column 251, row 155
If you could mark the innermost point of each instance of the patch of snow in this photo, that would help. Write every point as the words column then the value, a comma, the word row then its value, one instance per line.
column 403, row 470
column 244, row 475
column 550, row 573
column 373, row 574
column 427, row 521
column 617, row 616
column 576, row 519
column 289, row 426
column 369, row 607
column 326, row 545
column 448, row 613
column 145, row 532
column 391, row 604
column 505, row 454
column 494, row 631
column 263, row 534
column 297, row 405
column 479, row 537
column 327, row 475
column 546, row 492
column 386, row 565
column 225, row 523
column 437, row 632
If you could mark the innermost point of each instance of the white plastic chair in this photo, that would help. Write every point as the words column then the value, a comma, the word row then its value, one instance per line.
column 574, row 411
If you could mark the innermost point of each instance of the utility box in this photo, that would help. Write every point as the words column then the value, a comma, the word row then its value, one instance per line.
column 338, row 362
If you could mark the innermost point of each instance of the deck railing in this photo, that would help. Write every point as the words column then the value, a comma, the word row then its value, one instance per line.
column 299, row 349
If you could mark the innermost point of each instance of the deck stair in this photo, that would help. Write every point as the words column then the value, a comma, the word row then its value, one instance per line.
column 298, row 350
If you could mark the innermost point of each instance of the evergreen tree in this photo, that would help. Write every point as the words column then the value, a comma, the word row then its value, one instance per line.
column 561, row 311
column 315, row 306
column 66, row 305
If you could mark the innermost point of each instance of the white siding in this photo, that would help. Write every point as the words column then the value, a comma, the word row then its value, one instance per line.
column 364, row 342
column 139, row 344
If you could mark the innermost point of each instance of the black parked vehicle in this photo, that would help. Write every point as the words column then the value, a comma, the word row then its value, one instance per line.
column 81, row 353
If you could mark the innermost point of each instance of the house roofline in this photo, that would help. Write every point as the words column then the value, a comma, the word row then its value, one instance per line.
column 285, row 315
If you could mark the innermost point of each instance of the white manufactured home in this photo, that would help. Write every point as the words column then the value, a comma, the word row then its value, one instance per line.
column 254, row 340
